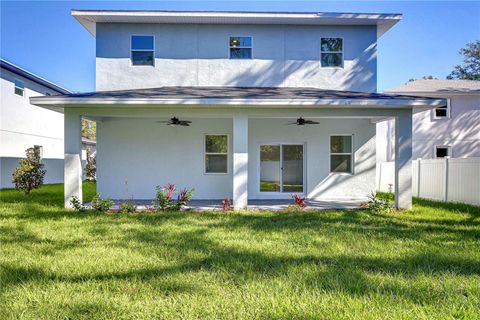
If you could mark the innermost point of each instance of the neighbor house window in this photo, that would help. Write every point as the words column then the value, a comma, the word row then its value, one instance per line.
column 442, row 151
column 19, row 87
column 216, row 153
column 240, row 47
column 331, row 52
column 341, row 154
column 143, row 50
column 442, row 112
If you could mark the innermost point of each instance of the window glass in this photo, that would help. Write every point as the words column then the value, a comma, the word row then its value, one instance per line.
column 142, row 42
column 240, row 47
column 341, row 154
column 216, row 154
column 19, row 87
column 442, row 152
column 142, row 58
column 331, row 52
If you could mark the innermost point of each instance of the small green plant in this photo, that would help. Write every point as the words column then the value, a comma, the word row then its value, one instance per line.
column 128, row 206
column 101, row 205
column 377, row 205
column 164, row 200
column 77, row 204
column 30, row 174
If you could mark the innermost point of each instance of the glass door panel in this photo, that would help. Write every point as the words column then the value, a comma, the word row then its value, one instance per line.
column 270, row 168
column 292, row 168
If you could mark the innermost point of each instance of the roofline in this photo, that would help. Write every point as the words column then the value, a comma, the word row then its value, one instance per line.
column 59, row 103
column 428, row 92
column 383, row 21
column 31, row 76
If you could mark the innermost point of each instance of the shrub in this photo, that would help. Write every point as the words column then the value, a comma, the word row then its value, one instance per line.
column 101, row 205
column 128, row 206
column 227, row 205
column 77, row 204
column 30, row 174
column 299, row 201
column 164, row 200
column 377, row 205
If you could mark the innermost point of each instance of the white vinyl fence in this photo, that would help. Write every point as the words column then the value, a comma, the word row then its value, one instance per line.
column 447, row 179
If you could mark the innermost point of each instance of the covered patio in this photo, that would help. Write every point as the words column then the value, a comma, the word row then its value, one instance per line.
column 250, row 117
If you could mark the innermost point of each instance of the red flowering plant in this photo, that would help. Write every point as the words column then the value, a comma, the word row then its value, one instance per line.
column 299, row 201
column 165, row 200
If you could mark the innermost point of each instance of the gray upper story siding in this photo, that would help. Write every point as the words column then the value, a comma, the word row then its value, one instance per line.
column 198, row 55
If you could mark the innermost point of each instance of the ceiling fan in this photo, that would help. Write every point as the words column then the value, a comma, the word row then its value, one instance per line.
column 176, row 122
column 301, row 122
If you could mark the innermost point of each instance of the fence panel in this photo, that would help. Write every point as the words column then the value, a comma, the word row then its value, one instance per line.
column 449, row 179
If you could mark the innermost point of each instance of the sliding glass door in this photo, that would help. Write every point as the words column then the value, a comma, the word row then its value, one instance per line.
column 281, row 168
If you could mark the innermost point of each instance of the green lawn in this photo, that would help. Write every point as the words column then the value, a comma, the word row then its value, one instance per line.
column 58, row 264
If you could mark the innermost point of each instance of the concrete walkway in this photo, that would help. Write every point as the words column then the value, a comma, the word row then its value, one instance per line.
column 270, row 205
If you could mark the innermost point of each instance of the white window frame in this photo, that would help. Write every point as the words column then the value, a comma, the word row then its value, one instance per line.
column 434, row 114
column 205, row 153
column 449, row 151
column 229, row 47
column 15, row 87
column 351, row 153
column 342, row 52
column 131, row 50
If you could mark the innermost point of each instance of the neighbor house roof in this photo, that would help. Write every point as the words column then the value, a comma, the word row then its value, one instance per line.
column 30, row 76
column 89, row 18
column 235, row 96
column 438, row 86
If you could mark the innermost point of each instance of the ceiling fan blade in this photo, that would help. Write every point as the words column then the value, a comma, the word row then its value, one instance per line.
column 184, row 124
column 311, row 122
column 291, row 123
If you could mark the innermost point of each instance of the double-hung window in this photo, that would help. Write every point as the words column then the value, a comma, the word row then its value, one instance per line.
column 341, row 154
column 142, row 50
column 240, row 47
column 331, row 52
column 216, row 153
column 442, row 112
column 19, row 87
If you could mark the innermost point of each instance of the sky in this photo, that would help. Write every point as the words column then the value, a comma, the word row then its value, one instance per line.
column 42, row 37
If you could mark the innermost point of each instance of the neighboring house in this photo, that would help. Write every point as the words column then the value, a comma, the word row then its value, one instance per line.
column 23, row 125
column 450, row 131
column 203, row 100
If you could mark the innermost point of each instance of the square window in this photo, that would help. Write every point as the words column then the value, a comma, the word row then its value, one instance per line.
column 240, row 47
column 442, row 152
column 341, row 154
column 331, row 52
column 216, row 154
column 142, row 50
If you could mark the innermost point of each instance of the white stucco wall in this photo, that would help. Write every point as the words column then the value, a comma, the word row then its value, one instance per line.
column 198, row 55
column 461, row 131
column 23, row 125
column 148, row 154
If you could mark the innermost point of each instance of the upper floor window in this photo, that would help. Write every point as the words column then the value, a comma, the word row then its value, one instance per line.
column 442, row 112
column 240, row 47
column 143, row 50
column 19, row 87
column 442, row 151
column 331, row 52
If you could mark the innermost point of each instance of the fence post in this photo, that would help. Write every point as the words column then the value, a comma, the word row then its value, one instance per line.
column 419, row 164
column 445, row 173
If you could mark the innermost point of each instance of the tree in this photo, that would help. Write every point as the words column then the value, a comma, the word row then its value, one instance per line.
column 89, row 129
column 30, row 174
column 470, row 70
column 91, row 166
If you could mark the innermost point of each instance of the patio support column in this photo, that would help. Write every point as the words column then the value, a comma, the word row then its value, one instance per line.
column 240, row 161
column 73, row 156
column 403, row 159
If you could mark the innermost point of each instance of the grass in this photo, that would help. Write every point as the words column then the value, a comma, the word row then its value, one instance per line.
column 58, row 264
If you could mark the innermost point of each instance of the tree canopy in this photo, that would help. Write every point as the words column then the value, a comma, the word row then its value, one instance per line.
column 470, row 69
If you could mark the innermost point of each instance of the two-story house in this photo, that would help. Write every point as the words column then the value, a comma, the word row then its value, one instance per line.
column 449, row 131
column 246, row 105
column 23, row 125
